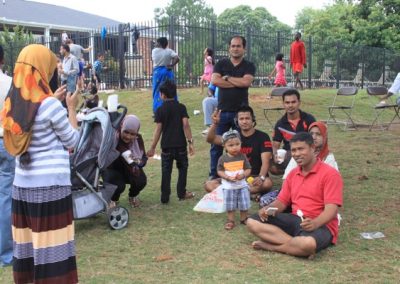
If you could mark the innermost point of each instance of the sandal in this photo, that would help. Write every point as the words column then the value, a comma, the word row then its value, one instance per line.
column 244, row 222
column 229, row 225
column 134, row 202
column 112, row 204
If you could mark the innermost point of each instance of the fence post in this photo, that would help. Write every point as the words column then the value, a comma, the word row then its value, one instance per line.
column 248, row 44
column 171, row 31
column 13, row 60
column 278, row 41
column 384, row 68
column 171, row 42
column 309, row 51
column 213, row 35
column 92, row 53
column 362, row 67
column 121, row 55
column 338, row 46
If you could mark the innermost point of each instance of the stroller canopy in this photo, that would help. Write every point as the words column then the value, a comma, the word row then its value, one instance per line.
column 97, row 139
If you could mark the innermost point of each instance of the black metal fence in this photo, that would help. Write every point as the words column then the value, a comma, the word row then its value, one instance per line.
column 127, row 50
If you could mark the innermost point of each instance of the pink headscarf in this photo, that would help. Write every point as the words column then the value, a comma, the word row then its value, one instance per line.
column 132, row 124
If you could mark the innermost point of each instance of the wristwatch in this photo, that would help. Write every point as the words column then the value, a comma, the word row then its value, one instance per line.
column 262, row 178
column 190, row 141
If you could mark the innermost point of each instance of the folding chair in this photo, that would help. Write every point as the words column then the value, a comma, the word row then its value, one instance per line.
column 343, row 101
column 377, row 92
column 276, row 92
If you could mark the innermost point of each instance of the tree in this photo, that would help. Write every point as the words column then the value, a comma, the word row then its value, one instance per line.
column 380, row 19
column 305, row 17
column 260, row 29
column 359, row 31
column 365, row 22
column 189, row 23
column 197, row 12
column 259, row 19
column 13, row 42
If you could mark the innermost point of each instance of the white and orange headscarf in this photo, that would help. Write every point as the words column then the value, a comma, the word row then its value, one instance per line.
column 33, row 71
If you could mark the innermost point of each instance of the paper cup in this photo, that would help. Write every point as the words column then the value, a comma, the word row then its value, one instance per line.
column 112, row 103
column 127, row 155
column 281, row 154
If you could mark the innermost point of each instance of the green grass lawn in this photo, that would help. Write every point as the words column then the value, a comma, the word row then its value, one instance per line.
column 173, row 244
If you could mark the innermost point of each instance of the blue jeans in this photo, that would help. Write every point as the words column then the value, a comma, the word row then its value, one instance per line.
column 71, row 83
column 7, row 169
column 182, row 163
column 209, row 105
column 226, row 122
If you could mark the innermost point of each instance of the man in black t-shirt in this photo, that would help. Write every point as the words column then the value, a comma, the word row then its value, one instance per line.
column 292, row 122
column 256, row 145
column 233, row 76
column 173, row 124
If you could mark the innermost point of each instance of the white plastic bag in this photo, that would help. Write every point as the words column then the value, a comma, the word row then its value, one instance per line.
column 212, row 202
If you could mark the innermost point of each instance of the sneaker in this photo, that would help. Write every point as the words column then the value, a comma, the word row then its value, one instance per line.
column 205, row 131
column 381, row 104
column 188, row 195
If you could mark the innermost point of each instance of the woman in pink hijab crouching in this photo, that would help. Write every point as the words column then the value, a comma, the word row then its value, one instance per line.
column 128, row 167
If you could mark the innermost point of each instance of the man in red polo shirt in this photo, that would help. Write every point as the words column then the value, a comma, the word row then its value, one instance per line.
column 314, row 191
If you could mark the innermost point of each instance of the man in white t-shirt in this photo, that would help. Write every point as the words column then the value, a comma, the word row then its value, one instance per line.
column 7, row 168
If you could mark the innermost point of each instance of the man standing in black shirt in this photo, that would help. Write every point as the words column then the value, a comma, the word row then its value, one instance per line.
column 233, row 76
column 292, row 122
column 256, row 145
column 173, row 123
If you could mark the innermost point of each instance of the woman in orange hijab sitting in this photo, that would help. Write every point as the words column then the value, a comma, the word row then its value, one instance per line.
column 319, row 132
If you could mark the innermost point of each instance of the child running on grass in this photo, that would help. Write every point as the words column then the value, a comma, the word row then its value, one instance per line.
column 173, row 127
column 279, row 69
column 233, row 167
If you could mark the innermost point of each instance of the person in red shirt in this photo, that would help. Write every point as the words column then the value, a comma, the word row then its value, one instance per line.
column 298, row 58
column 314, row 192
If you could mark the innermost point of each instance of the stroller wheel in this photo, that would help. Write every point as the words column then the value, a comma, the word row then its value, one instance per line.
column 118, row 217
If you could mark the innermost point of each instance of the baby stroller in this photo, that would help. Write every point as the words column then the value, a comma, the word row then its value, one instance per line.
column 94, row 152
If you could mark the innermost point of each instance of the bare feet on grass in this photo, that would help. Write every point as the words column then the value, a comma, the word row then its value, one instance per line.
column 260, row 245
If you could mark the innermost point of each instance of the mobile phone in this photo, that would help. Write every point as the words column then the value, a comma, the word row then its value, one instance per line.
column 271, row 211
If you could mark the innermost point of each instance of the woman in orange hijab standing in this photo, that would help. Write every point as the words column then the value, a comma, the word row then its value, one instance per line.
column 38, row 132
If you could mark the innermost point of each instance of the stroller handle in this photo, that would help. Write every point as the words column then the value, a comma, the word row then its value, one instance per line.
column 117, row 116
